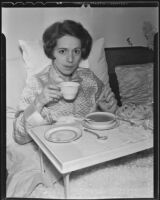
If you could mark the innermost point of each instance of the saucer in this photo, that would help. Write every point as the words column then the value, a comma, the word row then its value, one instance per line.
column 97, row 126
column 63, row 134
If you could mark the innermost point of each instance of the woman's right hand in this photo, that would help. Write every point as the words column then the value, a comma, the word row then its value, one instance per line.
column 49, row 93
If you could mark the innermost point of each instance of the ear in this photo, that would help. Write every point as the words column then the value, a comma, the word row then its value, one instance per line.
column 53, row 55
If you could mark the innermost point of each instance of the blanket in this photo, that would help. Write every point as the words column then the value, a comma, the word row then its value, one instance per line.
column 127, row 177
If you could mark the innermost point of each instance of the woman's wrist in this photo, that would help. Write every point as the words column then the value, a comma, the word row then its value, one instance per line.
column 38, row 105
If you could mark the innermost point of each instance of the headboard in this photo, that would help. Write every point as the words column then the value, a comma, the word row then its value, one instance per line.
column 125, row 56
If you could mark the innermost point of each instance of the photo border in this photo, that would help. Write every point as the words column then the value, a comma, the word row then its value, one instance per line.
column 15, row 4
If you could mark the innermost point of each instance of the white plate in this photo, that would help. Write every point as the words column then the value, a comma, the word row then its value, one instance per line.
column 100, row 126
column 63, row 134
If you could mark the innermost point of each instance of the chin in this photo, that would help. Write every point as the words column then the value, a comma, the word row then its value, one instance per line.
column 67, row 73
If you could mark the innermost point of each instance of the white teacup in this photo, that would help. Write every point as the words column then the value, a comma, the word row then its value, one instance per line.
column 69, row 89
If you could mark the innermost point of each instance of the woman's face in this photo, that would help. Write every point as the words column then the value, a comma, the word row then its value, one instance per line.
column 67, row 54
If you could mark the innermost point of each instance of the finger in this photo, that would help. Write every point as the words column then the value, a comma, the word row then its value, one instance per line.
column 48, row 99
column 113, row 101
column 54, row 94
column 103, row 106
column 107, row 89
column 109, row 109
column 104, row 94
column 109, row 96
column 113, row 108
column 107, row 106
column 109, row 103
column 51, row 99
column 53, row 87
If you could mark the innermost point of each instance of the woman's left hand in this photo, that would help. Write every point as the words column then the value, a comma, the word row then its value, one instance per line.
column 108, row 103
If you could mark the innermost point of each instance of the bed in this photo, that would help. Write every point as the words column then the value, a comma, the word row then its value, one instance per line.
column 106, row 180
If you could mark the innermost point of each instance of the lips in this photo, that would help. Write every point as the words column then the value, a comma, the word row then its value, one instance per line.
column 69, row 68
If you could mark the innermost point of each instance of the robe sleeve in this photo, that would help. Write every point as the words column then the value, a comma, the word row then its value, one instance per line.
column 27, row 114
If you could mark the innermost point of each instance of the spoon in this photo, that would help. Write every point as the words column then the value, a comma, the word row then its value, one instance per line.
column 98, row 136
column 125, row 120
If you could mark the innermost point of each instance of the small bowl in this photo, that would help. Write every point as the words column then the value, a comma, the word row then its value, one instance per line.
column 100, row 119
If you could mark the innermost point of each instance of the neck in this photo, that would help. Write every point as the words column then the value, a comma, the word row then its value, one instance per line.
column 63, row 76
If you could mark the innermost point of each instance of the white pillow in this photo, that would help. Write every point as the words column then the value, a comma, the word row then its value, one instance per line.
column 36, row 60
column 34, row 56
column 15, row 81
column 97, row 60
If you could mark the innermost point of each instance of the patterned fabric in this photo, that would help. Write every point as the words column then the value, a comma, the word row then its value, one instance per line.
column 90, row 89
column 135, row 83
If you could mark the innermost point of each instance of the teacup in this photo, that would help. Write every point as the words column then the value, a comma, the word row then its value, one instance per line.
column 69, row 89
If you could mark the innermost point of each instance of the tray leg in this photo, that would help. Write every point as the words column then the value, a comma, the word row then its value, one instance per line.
column 41, row 161
column 46, row 179
column 66, row 185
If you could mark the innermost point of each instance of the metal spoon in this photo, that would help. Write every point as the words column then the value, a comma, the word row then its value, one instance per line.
column 98, row 136
column 125, row 120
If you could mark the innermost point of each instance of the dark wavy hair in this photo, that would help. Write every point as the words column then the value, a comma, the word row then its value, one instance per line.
column 67, row 27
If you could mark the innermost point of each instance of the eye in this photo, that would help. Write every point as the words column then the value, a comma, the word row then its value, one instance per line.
column 77, row 51
column 62, row 51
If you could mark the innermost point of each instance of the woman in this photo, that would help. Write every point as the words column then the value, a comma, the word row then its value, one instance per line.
column 66, row 44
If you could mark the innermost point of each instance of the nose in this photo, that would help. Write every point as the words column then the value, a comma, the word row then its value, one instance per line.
column 70, row 57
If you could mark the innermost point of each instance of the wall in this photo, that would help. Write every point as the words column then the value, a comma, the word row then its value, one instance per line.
column 114, row 24
column 83, row 15
column 117, row 24
column 20, row 23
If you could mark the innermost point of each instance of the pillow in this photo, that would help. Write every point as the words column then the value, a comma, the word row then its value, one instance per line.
column 15, row 81
column 36, row 60
column 135, row 83
column 34, row 57
column 97, row 60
